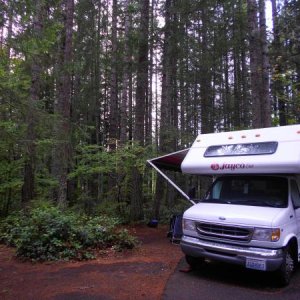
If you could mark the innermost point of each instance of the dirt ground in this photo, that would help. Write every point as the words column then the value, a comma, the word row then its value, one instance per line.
column 141, row 273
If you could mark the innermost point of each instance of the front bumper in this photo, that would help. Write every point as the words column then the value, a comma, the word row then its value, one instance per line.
column 272, row 258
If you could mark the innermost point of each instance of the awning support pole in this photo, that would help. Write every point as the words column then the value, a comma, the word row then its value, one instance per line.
column 171, row 182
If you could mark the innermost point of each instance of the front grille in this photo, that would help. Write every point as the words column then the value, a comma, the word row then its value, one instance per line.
column 224, row 232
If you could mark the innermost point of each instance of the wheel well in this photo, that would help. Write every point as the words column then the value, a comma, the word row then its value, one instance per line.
column 293, row 245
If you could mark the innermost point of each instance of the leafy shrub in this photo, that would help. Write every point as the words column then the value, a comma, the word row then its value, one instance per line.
column 11, row 228
column 124, row 240
column 50, row 234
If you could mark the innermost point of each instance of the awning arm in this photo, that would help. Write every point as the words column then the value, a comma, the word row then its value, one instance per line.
column 170, row 181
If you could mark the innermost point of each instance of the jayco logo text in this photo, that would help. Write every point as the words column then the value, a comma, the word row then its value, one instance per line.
column 232, row 167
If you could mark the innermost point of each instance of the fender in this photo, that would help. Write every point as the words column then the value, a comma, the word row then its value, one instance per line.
column 288, row 238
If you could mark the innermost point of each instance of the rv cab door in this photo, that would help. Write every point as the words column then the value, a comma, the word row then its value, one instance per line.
column 295, row 195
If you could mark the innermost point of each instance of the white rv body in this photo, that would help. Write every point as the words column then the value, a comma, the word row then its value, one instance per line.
column 286, row 159
column 251, row 214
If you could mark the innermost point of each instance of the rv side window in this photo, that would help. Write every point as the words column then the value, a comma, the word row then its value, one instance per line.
column 241, row 149
column 295, row 194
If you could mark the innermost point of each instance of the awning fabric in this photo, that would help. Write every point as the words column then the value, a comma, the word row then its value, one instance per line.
column 170, row 161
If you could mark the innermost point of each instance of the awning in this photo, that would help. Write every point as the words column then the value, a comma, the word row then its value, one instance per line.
column 171, row 162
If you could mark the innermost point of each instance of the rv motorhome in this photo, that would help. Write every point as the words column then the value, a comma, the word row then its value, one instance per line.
column 250, row 215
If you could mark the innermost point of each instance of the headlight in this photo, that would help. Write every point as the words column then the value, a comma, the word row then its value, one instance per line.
column 188, row 225
column 266, row 234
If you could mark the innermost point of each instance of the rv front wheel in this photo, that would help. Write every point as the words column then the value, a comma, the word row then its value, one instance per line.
column 285, row 272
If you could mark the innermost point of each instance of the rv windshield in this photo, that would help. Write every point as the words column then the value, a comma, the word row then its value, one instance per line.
column 249, row 190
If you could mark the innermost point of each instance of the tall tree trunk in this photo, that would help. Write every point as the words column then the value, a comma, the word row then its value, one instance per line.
column 254, row 49
column 35, row 65
column 142, row 74
column 246, row 105
column 6, row 37
column 265, row 83
column 61, row 153
column 136, row 208
column 278, row 88
column 205, row 76
column 166, row 85
column 165, row 106
column 149, row 104
column 259, row 64
column 126, row 74
column 6, row 23
column 9, row 30
column 238, row 98
column 113, row 112
column 130, row 106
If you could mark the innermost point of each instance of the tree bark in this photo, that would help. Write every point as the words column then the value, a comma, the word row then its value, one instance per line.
column 265, row 82
column 136, row 207
column 62, row 107
column 259, row 64
column 165, row 134
column 254, row 48
column 278, row 88
column 142, row 74
column 35, row 65
column 205, row 77
column 149, row 104
column 113, row 112
column 126, row 74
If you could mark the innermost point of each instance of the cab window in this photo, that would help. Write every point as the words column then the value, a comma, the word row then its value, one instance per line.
column 295, row 194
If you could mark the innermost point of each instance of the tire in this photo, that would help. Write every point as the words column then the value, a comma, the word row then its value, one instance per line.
column 285, row 272
column 194, row 262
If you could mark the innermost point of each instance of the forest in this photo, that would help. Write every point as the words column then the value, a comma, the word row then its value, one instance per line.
column 91, row 89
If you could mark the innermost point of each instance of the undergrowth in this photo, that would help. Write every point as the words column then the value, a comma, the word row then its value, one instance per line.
column 49, row 234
